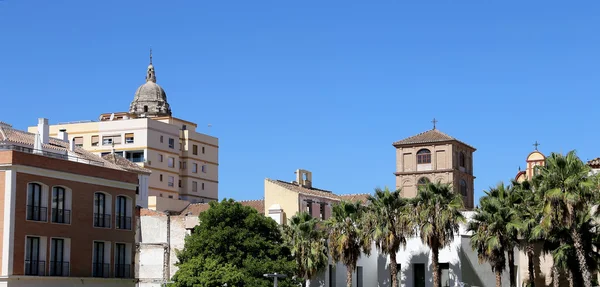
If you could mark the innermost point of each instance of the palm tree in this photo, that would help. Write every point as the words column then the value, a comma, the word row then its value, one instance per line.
column 387, row 224
column 567, row 189
column 437, row 217
column 346, row 237
column 526, row 216
column 307, row 244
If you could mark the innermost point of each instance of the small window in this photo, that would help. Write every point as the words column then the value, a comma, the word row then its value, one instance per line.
column 203, row 150
column 423, row 156
column 445, row 272
column 203, row 186
column 184, row 166
column 463, row 187
column 194, row 186
column 461, row 159
column 129, row 138
column 204, row 168
column 170, row 196
column 109, row 140
column 423, row 181
column 179, row 184
column 171, row 181
column 95, row 140
column 145, row 109
column 161, row 139
column 160, row 157
column 171, row 162
column 195, row 149
column 160, row 176
column 171, row 143
column 322, row 211
column 195, row 168
column 78, row 141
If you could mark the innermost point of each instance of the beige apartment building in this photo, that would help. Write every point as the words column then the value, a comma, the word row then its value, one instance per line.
column 183, row 162
column 434, row 156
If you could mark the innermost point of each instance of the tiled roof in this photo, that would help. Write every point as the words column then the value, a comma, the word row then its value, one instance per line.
column 196, row 208
column 9, row 135
column 125, row 163
column 361, row 197
column 594, row 163
column 305, row 190
column 151, row 212
column 430, row 136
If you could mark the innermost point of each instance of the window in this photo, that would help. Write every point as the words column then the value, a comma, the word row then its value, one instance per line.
column 171, row 181
column 95, row 140
column 423, row 181
column 461, row 159
column 160, row 177
column 59, row 265
column 195, row 149
column 195, row 168
column 398, row 274
column 179, row 184
column 419, row 274
column 171, row 143
column 135, row 156
column 33, row 264
column 101, row 210
column 170, row 196
column 122, row 214
column 445, row 272
column 100, row 264
column 161, row 139
column 204, row 168
column 109, row 140
column 423, row 156
column 160, row 157
column 60, row 212
column 322, row 210
column 171, row 162
column 129, row 138
column 309, row 207
column 331, row 275
column 145, row 109
column 122, row 269
column 463, row 187
column 202, row 149
column 203, row 186
column 359, row 276
column 116, row 152
column 194, row 186
column 184, row 165
column 78, row 141
column 36, row 210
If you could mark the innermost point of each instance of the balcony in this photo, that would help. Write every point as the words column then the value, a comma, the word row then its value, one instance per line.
column 101, row 270
column 122, row 271
column 59, row 268
column 101, row 220
column 35, row 267
column 61, row 216
column 37, row 213
column 123, row 222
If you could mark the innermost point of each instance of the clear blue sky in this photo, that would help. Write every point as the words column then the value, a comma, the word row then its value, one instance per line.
column 321, row 85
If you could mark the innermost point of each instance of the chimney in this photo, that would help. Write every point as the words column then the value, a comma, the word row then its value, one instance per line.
column 43, row 130
column 63, row 135
column 72, row 145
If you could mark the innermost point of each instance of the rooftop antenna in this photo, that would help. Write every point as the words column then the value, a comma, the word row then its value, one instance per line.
column 209, row 126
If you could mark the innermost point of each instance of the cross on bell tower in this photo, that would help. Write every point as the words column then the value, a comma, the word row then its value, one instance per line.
column 536, row 144
column 434, row 122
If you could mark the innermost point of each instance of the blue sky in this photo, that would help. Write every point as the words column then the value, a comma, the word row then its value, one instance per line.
column 321, row 85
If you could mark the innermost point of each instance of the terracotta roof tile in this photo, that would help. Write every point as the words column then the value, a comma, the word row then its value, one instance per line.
column 305, row 190
column 594, row 163
column 430, row 136
column 151, row 212
column 361, row 197
column 125, row 163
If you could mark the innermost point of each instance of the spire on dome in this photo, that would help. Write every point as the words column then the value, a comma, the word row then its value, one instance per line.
column 150, row 74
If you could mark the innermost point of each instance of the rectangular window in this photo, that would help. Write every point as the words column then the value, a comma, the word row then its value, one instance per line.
column 179, row 183
column 171, row 143
column 194, row 186
column 129, row 138
column 195, row 149
column 95, row 140
column 171, row 162
column 35, row 209
column 194, row 167
column 160, row 177
column 135, row 156
column 59, row 213
column 445, row 274
column 309, row 207
column 170, row 196
column 78, row 141
column 59, row 266
column 109, row 140
column 204, row 168
column 123, row 217
column 101, row 213
column 161, row 139
column 419, row 274
column 322, row 210
column 171, row 181
column 202, row 149
column 203, row 186
column 100, row 265
column 34, row 262
column 160, row 157
column 359, row 276
column 331, row 275
column 184, row 166
column 122, row 269
column 398, row 274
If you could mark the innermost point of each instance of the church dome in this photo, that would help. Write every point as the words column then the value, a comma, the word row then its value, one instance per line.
column 150, row 99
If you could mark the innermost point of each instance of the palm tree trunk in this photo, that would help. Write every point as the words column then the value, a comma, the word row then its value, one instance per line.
column 498, row 278
column 530, row 264
column 570, row 277
column 585, row 272
column 393, row 270
column 349, row 276
column 555, row 276
column 435, row 266
column 511, row 268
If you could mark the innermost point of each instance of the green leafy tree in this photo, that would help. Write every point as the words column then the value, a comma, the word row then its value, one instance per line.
column 387, row 224
column 308, row 245
column 567, row 189
column 437, row 215
column 233, row 244
column 346, row 236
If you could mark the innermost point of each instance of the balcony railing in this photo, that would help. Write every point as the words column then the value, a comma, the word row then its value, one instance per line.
column 61, row 215
column 101, row 220
column 123, row 222
column 59, row 268
column 101, row 270
column 50, row 154
column 122, row 271
column 37, row 213
column 35, row 267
